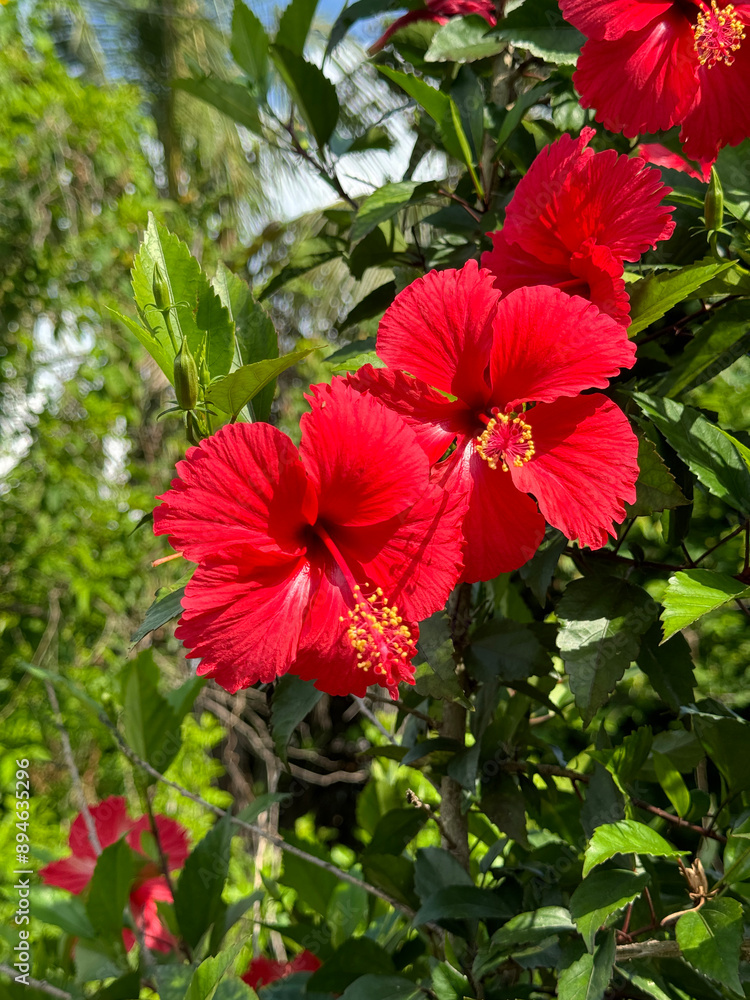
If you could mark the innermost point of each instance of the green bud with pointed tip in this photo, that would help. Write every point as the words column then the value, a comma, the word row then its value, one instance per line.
column 160, row 288
column 185, row 377
column 713, row 205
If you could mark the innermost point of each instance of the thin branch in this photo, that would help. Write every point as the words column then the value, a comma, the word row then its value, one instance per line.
column 36, row 984
column 662, row 949
column 433, row 723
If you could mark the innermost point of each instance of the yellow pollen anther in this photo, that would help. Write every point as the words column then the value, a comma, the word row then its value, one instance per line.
column 718, row 34
column 507, row 438
column 377, row 633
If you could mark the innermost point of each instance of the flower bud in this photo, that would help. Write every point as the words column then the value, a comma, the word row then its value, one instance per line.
column 160, row 288
column 713, row 205
column 185, row 377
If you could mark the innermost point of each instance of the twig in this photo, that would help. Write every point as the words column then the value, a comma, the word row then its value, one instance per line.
column 369, row 714
column 164, row 862
column 721, row 541
column 414, row 800
column 37, row 984
column 433, row 723
column 662, row 949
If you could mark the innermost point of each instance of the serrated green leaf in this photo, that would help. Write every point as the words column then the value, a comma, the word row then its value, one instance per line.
column 601, row 894
column 717, row 345
column 110, row 888
column 462, row 40
column 435, row 675
column 292, row 700
column 656, row 488
column 249, row 45
column 311, row 91
column 395, row 830
column 206, row 978
column 375, row 987
column 435, row 868
column 703, row 447
column 589, row 976
column 237, row 389
column 161, row 352
column 508, row 650
column 150, row 724
column 197, row 897
column 384, row 203
column 532, row 927
column 514, row 117
column 626, row 836
column 463, row 902
column 354, row 959
column 655, row 295
column 692, row 593
column 669, row 668
column 232, row 99
column 294, row 25
column 602, row 620
column 161, row 611
column 538, row 26
column 710, row 939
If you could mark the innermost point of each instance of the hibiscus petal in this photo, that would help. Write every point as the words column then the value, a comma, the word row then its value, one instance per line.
column 432, row 416
column 721, row 115
column 502, row 527
column 439, row 329
column 172, row 837
column 243, row 624
column 644, row 82
column 660, row 156
column 549, row 344
column 244, row 485
column 74, row 873
column 143, row 905
column 365, row 461
column 612, row 18
column 584, row 466
column 605, row 285
column 514, row 267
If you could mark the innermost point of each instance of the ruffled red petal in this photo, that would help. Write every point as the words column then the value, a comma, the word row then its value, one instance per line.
column 245, row 486
column 514, row 267
column 143, row 906
column 111, row 822
column 660, row 156
column 439, row 328
column 172, row 837
column 245, row 624
column 502, row 527
column 604, row 284
column 432, row 416
column 721, row 115
column 365, row 462
column 645, row 81
column 73, row 873
column 584, row 466
column 608, row 19
column 263, row 971
column 549, row 344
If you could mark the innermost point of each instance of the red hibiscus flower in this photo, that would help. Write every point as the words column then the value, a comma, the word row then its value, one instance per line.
column 263, row 971
column 573, row 220
column 111, row 822
column 518, row 424
column 317, row 561
column 440, row 12
column 660, row 156
column 652, row 64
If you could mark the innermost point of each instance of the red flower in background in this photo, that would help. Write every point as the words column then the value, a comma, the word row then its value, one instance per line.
column 263, row 971
column 317, row 562
column 573, row 220
column 440, row 12
column 576, row 454
column 652, row 64
column 111, row 822
column 660, row 156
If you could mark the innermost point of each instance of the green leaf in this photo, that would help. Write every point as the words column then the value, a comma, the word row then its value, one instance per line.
column 588, row 977
column 703, row 447
column 292, row 700
column 395, row 830
column 692, row 593
column 673, row 784
column 310, row 90
column 514, row 117
column 448, row 983
column 232, row 99
column 656, row 488
column 161, row 352
column 110, row 888
column 151, row 725
column 538, row 26
column 727, row 743
column 127, row 987
column 463, row 39
column 161, row 611
column 655, row 295
column 392, row 874
column 629, row 757
column 717, row 345
column 532, row 927
column 463, row 902
column 435, row 667
column 249, row 45
column 206, row 978
column 235, row 390
column 68, row 914
column 354, row 12
column 356, row 958
column 601, row 894
column 294, row 25
column 350, row 351
column 508, row 650
column 384, row 203
column 710, row 939
column 436, row 868
column 537, row 573
column 601, row 622
column 505, row 804
column 197, row 897
column 260, row 805
column 375, row 987
column 625, row 837
column 669, row 668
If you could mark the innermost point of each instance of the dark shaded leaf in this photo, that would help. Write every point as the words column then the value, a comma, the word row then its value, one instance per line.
column 110, row 888
column 163, row 610
column 197, row 898
column 292, row 700
column 311, row 91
